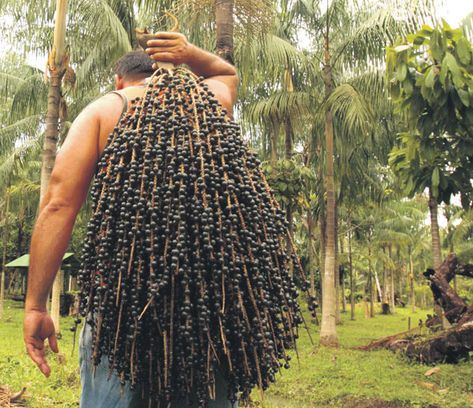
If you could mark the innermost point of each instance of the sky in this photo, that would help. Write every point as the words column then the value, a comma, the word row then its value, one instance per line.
column 453, row 11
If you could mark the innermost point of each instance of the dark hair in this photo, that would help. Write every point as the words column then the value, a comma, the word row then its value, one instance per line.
column 134, row 64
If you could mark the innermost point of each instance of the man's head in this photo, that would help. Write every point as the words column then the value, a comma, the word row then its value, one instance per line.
column 132, row 68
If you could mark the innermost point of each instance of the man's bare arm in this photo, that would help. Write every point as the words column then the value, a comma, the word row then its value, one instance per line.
column 221, row 76
column 68, row 187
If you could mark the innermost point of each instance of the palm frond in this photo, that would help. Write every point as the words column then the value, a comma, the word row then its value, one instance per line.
column 9, row 84
column 17, row 158
column 277, row 106
column 23, row 129
column 30, row 98
column 351, row 109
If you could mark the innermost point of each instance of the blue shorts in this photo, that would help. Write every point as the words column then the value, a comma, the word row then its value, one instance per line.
column 101, row 392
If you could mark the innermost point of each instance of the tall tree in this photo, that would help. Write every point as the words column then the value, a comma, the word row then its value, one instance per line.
column 57, row 65
column 328, row 335
column 225, row 28
column 5, row 231
column 432, row 84
column 354, row 35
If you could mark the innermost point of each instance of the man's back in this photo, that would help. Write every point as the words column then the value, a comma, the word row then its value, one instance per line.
column 109, row 108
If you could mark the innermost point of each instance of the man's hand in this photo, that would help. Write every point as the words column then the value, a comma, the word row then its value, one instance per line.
column 218, row 74
column 170, row 47
column 37, row 327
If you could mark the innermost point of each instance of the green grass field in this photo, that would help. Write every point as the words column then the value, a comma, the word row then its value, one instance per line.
column 322, row 378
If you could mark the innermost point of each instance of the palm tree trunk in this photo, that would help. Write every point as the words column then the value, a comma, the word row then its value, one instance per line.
column 4, row 254
column 274, row 145
column 225, row 25
column 321, row 220
column 393, row 292
column 56, row 70
column 337, row 269
column 328, row 330
column 328, row 333
column 352, row 282
column 322, row 250
column 56, row 299
column 20, row 233
column 391, row 281
column 370, row 280
column 310, row 251
column 411, row 282
column 342, row 279
column 436, row 250
column 289, row 208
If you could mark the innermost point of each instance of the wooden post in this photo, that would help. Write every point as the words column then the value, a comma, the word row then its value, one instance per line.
column 56, row 300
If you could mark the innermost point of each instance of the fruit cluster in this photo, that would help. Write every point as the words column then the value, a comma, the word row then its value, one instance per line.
column 185, row 268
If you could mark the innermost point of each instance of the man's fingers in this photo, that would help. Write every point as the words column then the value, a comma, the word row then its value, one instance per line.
column 53, row 343
column 163, row 56
column 167, row 35
column 162, row 43
column 44, row 368
column 155, row 50
column 37, row 355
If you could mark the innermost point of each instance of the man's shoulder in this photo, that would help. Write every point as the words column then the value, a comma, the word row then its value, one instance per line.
column 102, row 106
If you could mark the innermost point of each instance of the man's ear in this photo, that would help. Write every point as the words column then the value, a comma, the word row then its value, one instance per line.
column 119, row 82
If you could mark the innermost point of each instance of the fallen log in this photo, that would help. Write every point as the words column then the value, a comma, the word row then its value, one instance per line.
column 449, row 346
column 452, row 304
column 395, row 342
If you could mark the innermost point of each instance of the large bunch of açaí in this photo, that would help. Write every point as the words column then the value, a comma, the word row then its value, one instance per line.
column 185, row 265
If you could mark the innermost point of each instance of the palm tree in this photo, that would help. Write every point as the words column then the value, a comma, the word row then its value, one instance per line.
column 224, row 24
column 57, row 66
column 5, row 233
column 354, row 36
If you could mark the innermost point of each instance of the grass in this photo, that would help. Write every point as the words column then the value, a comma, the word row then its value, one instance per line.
column 341, row 377
column 17, row 370
column 345, row 377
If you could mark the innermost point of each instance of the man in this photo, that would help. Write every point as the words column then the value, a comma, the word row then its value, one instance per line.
column 72, row 174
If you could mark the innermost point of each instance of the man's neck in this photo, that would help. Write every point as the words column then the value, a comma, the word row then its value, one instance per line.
column 137, row 82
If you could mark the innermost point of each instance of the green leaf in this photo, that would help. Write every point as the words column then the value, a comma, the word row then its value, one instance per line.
column 281, row 187
column 408, row 87
column 444, row 71
column 436, row 178
column 446, row 26
column 469, row 116
column 419, row 40
column 409, row 189
column 436, row 46
column 464, row 97
column 430, row 78
column 464, row 51
column 402, row 48
column 394, row 90
column 426, row 30
column 457, row 74
column 401, row 72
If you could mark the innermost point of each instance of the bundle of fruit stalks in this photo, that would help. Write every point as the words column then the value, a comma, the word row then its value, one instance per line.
column 186, row 270
column 9, row 399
